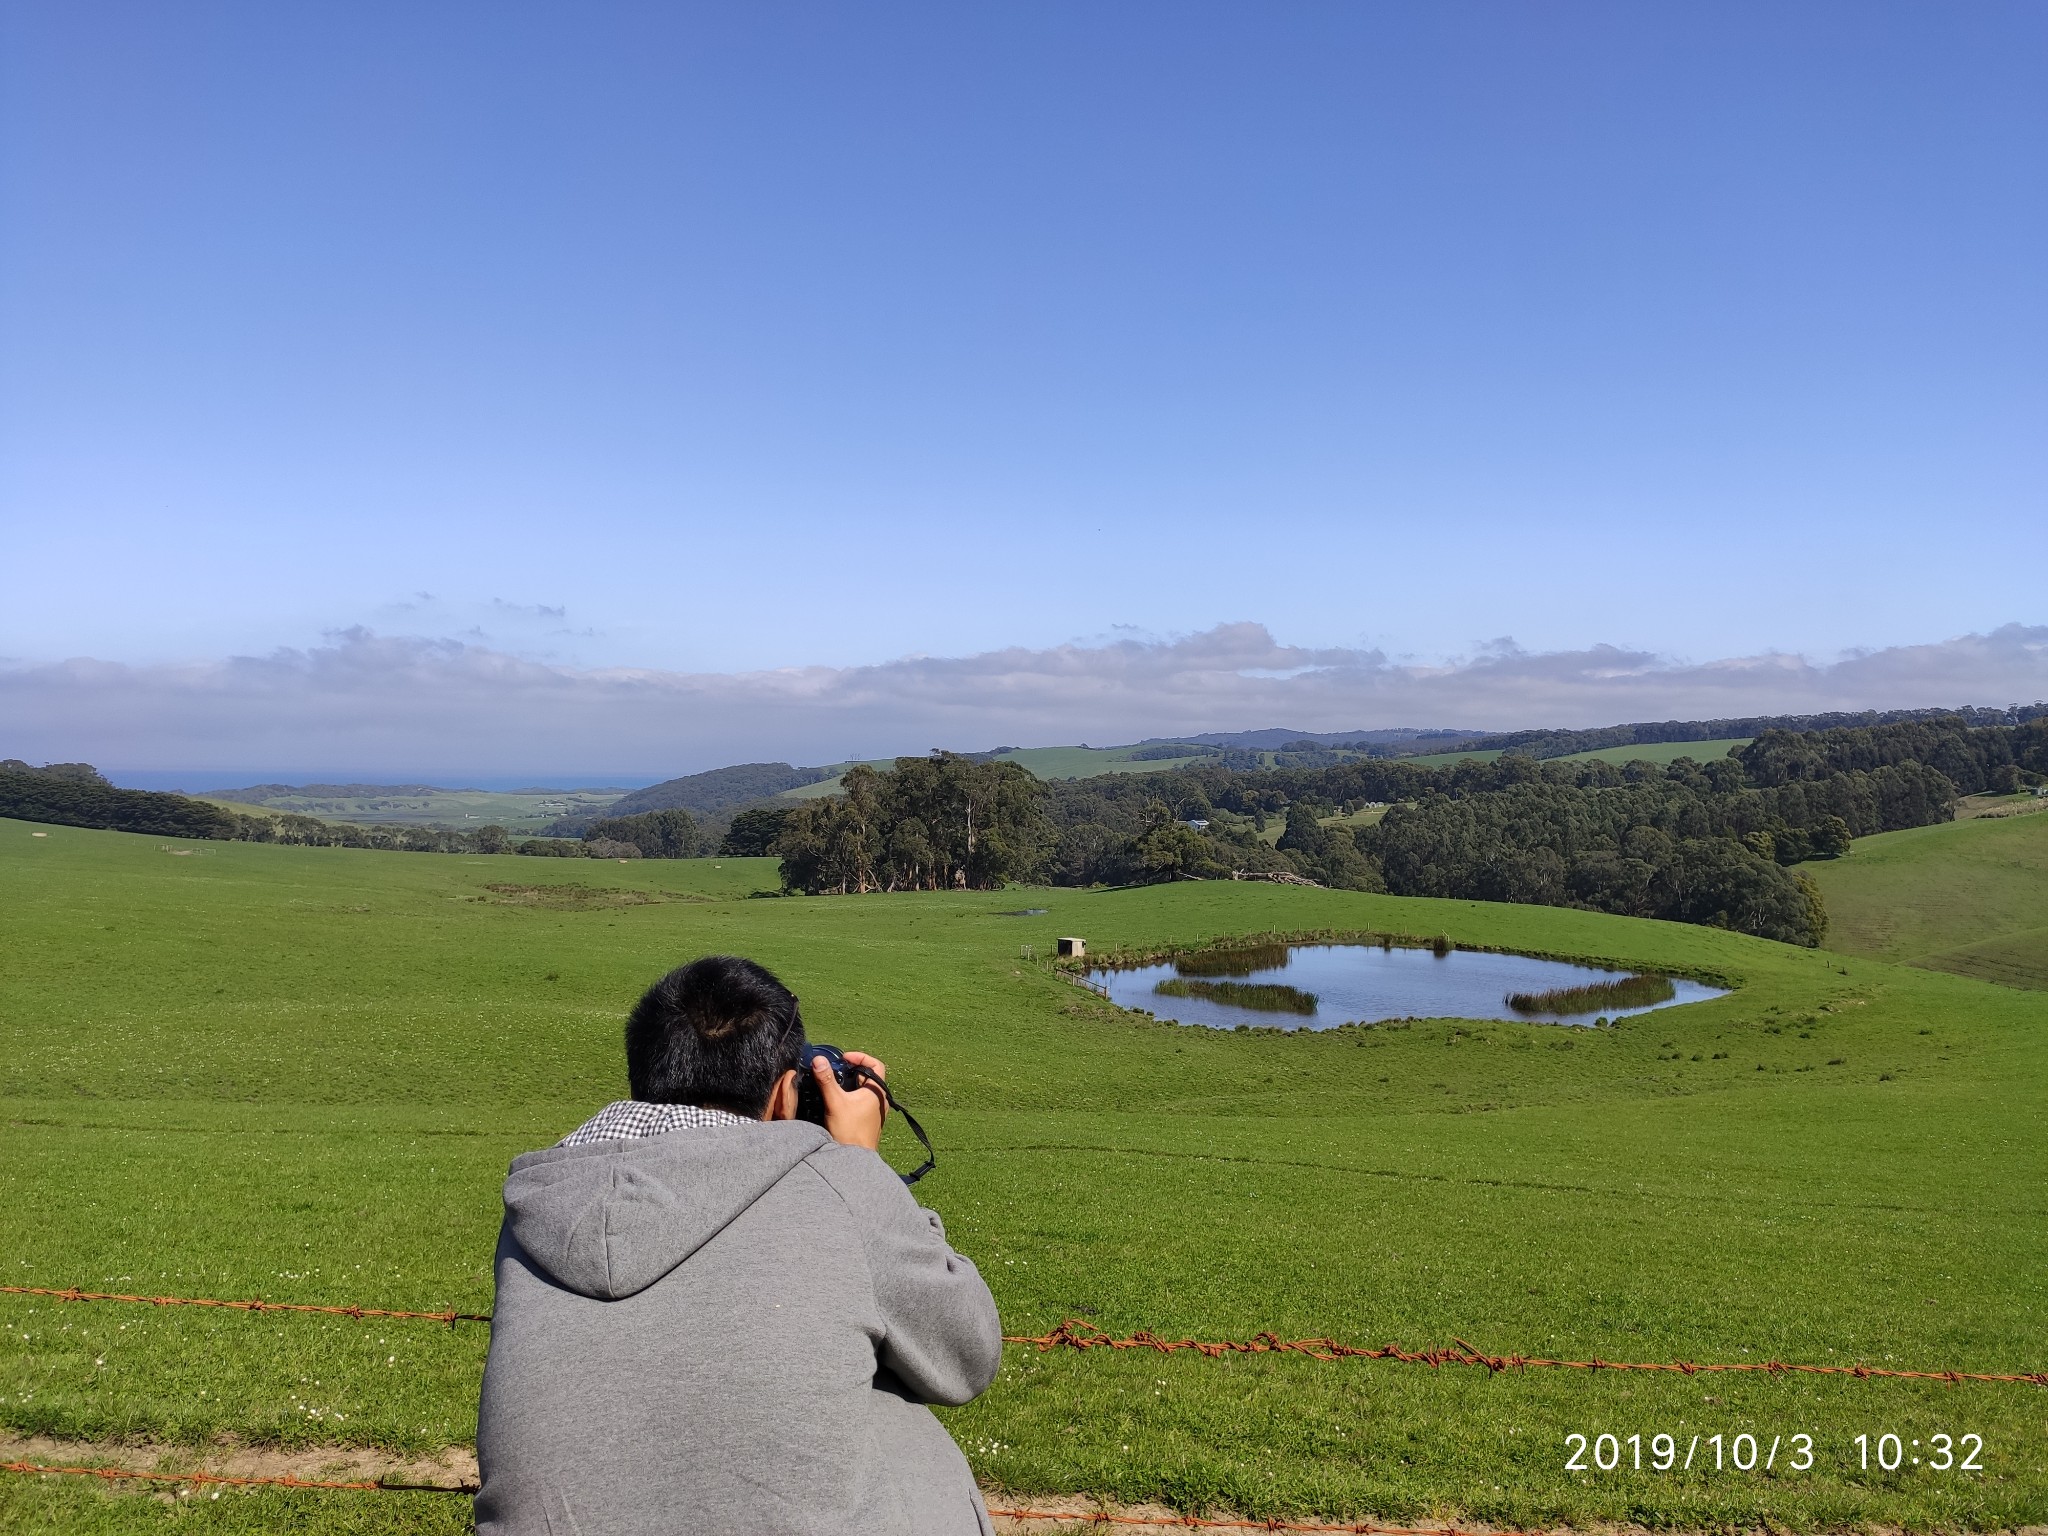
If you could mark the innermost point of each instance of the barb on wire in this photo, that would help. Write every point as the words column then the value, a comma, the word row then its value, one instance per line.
column 74, row 1294
column 1079, row 1335
column 118, row 1474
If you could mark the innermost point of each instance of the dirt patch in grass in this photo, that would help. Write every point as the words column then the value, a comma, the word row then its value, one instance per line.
column 455, row 1467
column 571, row 897
column 1045, row 1516
column 450, row 1468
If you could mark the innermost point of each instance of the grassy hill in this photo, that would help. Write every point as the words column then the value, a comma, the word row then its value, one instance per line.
column 1089, row 762
column 244, row 1070
column 719, row 789
column 1440, row 759
column 1662, row 751
column 1651, row 752
column 818, row 789
column 1967, row 896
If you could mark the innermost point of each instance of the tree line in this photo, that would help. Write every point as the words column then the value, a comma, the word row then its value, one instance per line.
column 1976, row 760
column 1561, row 743
column 1715, row 842
column 78, row 795
column 944, row 822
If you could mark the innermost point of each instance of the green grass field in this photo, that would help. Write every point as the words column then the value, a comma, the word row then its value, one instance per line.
column 824, row 787
column 1440, row 759
column 1092, row 762
column 1363, row 818
column 1276, row 826
column 299, row 1074
column 1663, row 751
column 1965, row 896
column 1654, row 752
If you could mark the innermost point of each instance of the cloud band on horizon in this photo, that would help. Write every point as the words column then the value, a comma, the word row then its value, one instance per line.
column 376, row 705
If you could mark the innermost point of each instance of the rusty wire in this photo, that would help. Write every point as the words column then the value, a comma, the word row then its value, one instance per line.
column 74, row 1294
column 1075, row 1334
column 1078, row 1335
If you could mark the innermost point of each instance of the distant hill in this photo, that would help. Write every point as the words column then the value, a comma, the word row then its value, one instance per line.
column 1558, row 742
column 1571, row 743
column 263, row 794
column 719, row 788
column 1275, row 738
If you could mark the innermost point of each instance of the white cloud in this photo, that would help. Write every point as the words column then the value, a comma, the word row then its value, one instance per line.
column 373, row 704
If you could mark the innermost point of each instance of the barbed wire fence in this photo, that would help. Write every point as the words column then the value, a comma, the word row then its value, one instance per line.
column 1071, row 1335
column 1074, row 1334
column 1077, row 1335
column 74, row 1294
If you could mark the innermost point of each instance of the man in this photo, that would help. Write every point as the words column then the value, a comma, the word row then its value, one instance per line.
column 715, row 1317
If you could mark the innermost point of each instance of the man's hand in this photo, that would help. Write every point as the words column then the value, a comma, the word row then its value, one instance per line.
column 853, row 1119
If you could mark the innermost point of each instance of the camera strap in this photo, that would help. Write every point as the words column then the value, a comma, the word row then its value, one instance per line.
column 931, row 1159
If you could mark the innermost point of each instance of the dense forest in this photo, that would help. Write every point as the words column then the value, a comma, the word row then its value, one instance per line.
column 932, row 823
column 76, row 795
column 702, row 794
column 1693, row 842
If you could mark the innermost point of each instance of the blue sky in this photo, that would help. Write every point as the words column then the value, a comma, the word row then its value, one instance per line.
column 711, row 339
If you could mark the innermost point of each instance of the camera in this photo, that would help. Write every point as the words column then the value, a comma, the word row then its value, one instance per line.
column 810, row 1098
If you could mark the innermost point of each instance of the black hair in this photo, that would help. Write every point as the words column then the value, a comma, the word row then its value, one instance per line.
column 716, row 1032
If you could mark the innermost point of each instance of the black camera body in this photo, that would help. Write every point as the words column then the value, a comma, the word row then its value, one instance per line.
column 810, row 1099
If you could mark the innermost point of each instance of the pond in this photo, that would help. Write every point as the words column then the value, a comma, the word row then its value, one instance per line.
column 1319, row 986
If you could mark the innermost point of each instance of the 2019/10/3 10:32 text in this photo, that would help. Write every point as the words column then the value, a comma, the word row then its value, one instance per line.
column 1747, row 1452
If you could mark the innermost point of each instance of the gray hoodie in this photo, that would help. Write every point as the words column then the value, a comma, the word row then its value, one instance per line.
column 727, row 1330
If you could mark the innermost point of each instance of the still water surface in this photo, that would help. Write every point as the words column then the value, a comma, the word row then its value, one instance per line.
column 1362, row 983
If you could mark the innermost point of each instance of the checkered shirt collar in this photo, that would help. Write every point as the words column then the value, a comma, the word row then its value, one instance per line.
column 632, row 1118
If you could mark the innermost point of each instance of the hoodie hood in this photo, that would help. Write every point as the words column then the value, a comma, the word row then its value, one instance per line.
column 611, row 1219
